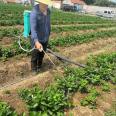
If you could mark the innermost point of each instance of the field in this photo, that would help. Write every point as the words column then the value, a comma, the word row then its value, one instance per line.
column 63, row 89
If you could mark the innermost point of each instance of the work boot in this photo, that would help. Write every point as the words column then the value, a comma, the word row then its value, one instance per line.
column 33, row 66
column 34, row 60
column 38, row 69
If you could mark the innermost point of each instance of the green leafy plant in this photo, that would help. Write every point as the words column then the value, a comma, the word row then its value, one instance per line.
column 83, row 86
column 95, row 80
column 79, row 39
column 68, row 84
column 105, row 87
column 90, row 99
column 6, row 110
column 51, row 101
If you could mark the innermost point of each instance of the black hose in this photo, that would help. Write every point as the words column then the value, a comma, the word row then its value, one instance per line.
column 65, row 59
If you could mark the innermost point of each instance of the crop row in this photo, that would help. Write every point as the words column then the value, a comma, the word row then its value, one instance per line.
column 53, row 22
column 11, row 32
column 19, row 21
column 79, row 39
column 11, row 22
column 59, row 29
column 13, row 50
column 12, row 16
column 56, row 98
column 62, row 41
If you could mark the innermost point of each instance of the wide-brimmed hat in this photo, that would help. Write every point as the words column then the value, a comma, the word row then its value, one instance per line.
column 47, row 2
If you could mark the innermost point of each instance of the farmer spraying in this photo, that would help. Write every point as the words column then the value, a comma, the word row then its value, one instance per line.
column 40, row 32
column 37, row 22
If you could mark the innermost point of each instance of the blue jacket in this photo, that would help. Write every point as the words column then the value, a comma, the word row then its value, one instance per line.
column 40, row 25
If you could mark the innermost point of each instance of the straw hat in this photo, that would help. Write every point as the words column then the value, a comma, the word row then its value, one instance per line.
column 47, row 2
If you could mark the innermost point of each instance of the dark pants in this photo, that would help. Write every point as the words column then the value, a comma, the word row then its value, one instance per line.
column 37, row 57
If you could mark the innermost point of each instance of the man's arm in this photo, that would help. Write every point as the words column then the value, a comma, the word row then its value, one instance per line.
column 33, row 22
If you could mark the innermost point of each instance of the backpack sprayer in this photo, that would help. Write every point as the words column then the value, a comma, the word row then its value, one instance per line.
column 26, row 34
column 27, row 30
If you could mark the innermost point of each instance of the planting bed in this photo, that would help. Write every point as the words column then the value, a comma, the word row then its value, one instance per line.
column 63, row 89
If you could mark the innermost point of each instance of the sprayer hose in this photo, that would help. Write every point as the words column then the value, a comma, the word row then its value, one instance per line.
column 19, row 42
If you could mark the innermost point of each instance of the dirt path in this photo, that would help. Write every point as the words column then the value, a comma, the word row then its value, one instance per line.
column 60, row 25
column 14, row 26
column 18, row 68
column 6, row 41
column 81, row 52
column 78, row 24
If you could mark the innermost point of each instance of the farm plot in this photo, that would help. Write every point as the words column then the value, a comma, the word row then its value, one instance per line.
column 64, row 89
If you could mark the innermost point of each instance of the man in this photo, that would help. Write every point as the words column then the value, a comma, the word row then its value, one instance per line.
column 40, row 32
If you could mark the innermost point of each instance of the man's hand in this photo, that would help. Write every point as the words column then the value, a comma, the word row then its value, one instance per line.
column 39, row 46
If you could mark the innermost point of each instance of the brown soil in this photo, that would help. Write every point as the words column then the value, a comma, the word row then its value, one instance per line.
column 60, row 25
column 104, row 103
column 81, row 52
column 77, row 24
column 6, row 41
column 15, row 102
column 13, row 70
column 43, row 80
column 18, row 68
column 14, row 26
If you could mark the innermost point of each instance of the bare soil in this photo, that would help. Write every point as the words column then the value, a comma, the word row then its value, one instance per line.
column 18, row 68
column 77, row 24
column 6, row 41
column 80, row 53
column 61, row 25
column 15, row 102
column 104, row 103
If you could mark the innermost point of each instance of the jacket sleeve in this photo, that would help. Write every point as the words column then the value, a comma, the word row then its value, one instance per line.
column 33, row 23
